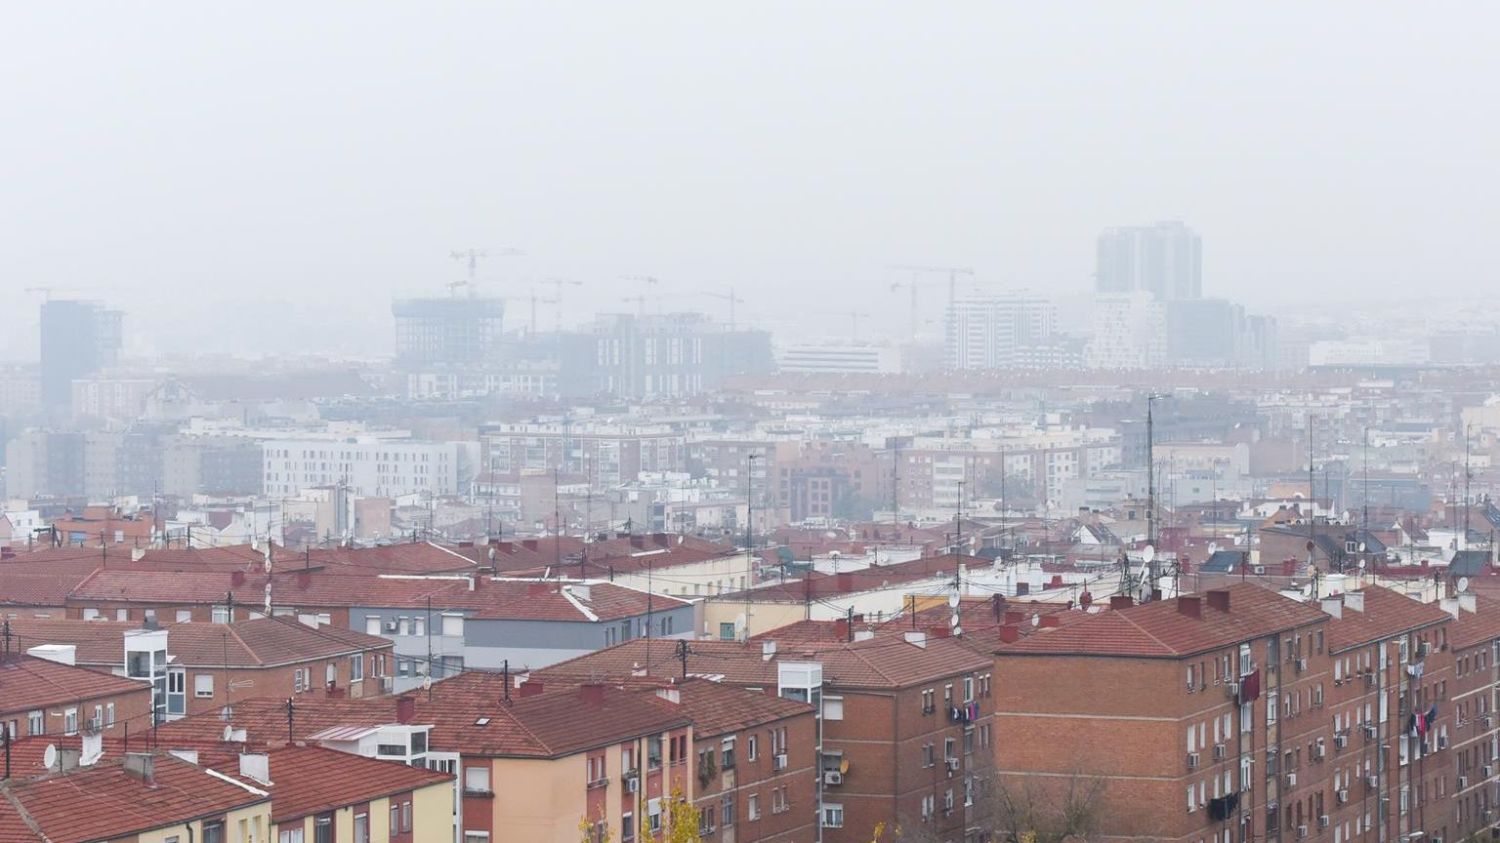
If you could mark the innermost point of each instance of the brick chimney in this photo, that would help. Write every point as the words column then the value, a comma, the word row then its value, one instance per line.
column 1014, row 616
column 1010, row 634
column 592, row 693
column 939, row 631
column 1121, row 601
column 236, row 578
column 1218, row 598
column 1190, row 605
column 530, row 688
column 406, row 709
column 1052, row 621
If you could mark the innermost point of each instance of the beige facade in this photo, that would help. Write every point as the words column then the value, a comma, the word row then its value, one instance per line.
column 432, row 819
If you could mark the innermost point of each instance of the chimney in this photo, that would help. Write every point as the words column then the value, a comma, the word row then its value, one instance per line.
column 68, row 760
column 767, row 650
column 1014, row 616
column 1467, row 602
column 1449, row 605
column 1333, row 607
column 1010, row 634
column 1354, row 601
column 93, row 749
column 1023, row 589
column 917, row 638
column 406, row 709
column 582, row 591
column 1121, row 601
column 304, row 580
column 530, row 688
column 141, row 765
column 61, row 653
column 864, row 634
column 592, row 693
column 637, row 670
column 1218, row 598
column 841, row 628
column 236, row 578
column 1052, row 621
column 256, row 766
column 940, row 631
column 1190, row 605
column 660, row 539
column 671, row 695
column 137, row 554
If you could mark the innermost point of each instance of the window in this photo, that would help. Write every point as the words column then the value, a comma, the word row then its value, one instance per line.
column 928, row 705
column 372, row 624
column 213, row 832
column 477, row 780
column 968, row 689
column 833, row 815
column 726, row 811
column 220, row 615
column 752, row 746
column 406, row 817
column 356, row 668
column 36, row 723
column 184, row 615
column 476, row 837
column 395, row 824
column 109, row 714
column 833, row 708
column 627, row 827
column 453, row 625
column 726, row 631
column 752, row 806
column 203, row 684
column 653, row 815
column 726, row 754
column 361, row 828
column 70, row 722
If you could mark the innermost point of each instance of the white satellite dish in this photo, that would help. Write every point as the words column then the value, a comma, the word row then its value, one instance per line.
column 1148, row 553
column 1361, row 547
column 1213, row 547
column 49, row 756
column 953, row 600
column 958, row 630
column 953, row 620
column 1463, row 584
column 1361, row 564
column 228, row 732
column 1035, row 619
column 426, row 683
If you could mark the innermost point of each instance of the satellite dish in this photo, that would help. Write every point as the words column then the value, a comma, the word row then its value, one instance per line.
column 844, row 766
column 1463, row 584
column 491, row 555
column 1361, row 547
column 228, row 732
column 426, row 683
column 1148, row 553
column 1035, row 619
column 958, row 630
column 953, row 600
column 49, row 756
column 1310, row 547
column 1361, row 564
column 1213, row 547
column 953, row 621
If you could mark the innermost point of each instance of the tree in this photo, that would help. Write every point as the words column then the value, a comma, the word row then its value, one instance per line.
column 679, row 824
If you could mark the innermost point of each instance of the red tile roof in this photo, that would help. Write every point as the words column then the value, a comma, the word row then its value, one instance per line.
column 263, row 642
column 1477, row 627
column 1386, row 613
column 718, row 709
column 104, row 802
column 1161, row 629
column 310, row 780
column 30, row 683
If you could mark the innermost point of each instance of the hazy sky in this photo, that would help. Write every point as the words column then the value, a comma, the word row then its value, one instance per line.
column 249, row 175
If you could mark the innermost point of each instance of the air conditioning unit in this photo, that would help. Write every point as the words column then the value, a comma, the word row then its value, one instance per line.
column 1340, row 741
column 1486, row 721
column 1370, row 731
column 632, row 783
column 1218, row 752
column 1291, row 779
column 833, row 777
column 1488, row 771
column 1318, row 750
column 778, row 762
column 1323, row 821
column 1343, row 796
column 1372, row 782
column 1232, row 688
column 1463, row 782
column 1370, row 679
column 1301, row 832
column 1260, row 570
column 1301, row 665
column 1192, row 760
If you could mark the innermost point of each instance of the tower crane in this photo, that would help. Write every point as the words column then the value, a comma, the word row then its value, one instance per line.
column 951, row 271
column 557, row 285
column 854, row 317
column 640, row 300
column 732, row 299
column 471, row 257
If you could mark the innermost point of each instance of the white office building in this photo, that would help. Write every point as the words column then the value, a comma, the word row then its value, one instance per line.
column 998, row 331
column 832, row 359
column 366, row 466
column 1129, row 332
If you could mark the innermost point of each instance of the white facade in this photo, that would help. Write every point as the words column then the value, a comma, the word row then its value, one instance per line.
column 839, row 359
column 996, row 331
column 1129, row 332
column 366, row 467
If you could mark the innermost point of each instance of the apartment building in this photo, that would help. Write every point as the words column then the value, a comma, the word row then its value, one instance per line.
column 204, row 666
column 905, row 721
column 139, row 797
column 323, row 794
column 1474, row 740
column 44, row 694
column 364, row 466
column 610, row 454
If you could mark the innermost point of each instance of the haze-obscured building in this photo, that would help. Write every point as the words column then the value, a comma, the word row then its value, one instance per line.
column 1165, row 260
column 78, row 339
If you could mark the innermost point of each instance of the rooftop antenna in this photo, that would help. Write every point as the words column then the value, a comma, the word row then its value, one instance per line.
column 1153, row 569
column 749, row 534
column 1468, row 475
column 1312, row 536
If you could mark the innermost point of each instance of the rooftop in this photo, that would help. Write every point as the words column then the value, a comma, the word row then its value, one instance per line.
column 262, row 642
column 311, row 780
column 31, row 683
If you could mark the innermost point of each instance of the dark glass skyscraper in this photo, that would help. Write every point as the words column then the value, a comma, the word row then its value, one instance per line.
column 78, row 339
column 1165, row 259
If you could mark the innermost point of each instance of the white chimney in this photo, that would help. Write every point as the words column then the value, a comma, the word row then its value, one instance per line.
column 1354, row 601
column 1468, row 603
column 671, row 695
column 1333, row 606
column 93, row 748
column 767, row 650
column 917, row 638
column 256, row 766
column 61, row 653
column 1449, row 605
column 863, row 634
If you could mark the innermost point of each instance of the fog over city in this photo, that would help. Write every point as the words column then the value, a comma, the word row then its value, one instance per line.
column 260, row 183
column 727, row 422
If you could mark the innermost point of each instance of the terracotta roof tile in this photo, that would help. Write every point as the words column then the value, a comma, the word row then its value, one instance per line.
column 1386, row 613
column 1477, row 627
column 260, row 642
column 27, row 683
column 311, row 780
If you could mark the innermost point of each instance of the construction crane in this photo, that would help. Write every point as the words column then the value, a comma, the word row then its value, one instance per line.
column 557, row 285
column 472, row 256
column 951, row 271
column 640, row 300
column 854, row 317
column 534, row 300
column 732, row 299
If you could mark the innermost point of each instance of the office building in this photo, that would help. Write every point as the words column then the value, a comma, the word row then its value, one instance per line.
column 78, row 339
column 364, row 466
column 998, row 331
column 658, row 356
column 1165, row 260
column 826, row 359
column 456, row 331
column 1129, row 332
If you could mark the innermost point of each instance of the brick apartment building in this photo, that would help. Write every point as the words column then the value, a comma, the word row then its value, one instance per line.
column 905, row 719
column 1474, row 739
column 1239, row 714
column 43, row 697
